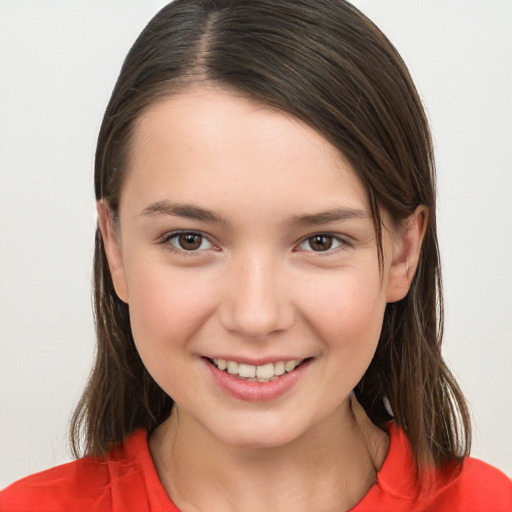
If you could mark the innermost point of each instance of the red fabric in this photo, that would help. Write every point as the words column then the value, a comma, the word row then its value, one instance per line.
column 472, row 487
column 125, row 480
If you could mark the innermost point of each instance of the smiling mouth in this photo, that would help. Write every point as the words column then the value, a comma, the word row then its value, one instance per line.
column 263, row 373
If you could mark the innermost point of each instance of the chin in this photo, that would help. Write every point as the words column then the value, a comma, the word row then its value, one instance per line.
column 260, row 434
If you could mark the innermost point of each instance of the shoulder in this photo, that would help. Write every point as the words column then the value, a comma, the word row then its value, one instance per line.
column 122, row 479
column 59, row 488
column 472, row 486
column 478, row 486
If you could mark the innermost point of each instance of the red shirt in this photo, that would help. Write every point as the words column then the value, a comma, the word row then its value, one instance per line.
column 125, row 480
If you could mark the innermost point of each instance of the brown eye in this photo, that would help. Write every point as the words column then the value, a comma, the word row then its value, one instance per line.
column 321, row 242
column 189, row 242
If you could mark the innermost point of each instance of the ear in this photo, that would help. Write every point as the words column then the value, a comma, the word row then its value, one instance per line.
column 406, row 254
column 112, row 249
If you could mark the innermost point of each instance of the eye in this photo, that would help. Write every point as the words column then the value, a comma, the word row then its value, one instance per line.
column 189, row 241
column 321, row 242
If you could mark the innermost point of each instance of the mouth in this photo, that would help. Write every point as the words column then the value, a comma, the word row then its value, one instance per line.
column 257, row 373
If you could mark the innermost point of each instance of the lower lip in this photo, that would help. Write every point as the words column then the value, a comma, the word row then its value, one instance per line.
column 256, row 391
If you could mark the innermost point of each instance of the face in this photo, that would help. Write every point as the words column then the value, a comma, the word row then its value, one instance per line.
column 248, row 257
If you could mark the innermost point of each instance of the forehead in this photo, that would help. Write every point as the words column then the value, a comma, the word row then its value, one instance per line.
column 229, row 150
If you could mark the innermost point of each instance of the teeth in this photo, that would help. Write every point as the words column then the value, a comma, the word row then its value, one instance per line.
column 290, row 365
column 279, row 368
column 221, row 364
column 246, row 370
column 263, row 373
column 232, row 367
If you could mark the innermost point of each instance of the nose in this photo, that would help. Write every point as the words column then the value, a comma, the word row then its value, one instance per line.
column 256, row 300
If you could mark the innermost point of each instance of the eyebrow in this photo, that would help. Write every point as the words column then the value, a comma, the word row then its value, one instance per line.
column 183, row 210
column 196, row 213
column 331, row 215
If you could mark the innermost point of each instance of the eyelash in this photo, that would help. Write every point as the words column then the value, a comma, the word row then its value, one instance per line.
column 168, row 242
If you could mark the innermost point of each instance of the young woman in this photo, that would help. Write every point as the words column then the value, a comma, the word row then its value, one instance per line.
column 267, row 284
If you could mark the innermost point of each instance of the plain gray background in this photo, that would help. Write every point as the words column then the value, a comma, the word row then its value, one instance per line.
column 58, row 63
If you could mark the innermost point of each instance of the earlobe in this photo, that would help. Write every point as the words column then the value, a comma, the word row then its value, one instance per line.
column 406, row 254
column 112, row 249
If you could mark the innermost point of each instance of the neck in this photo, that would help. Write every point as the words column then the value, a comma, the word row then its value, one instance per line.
column 331, row 467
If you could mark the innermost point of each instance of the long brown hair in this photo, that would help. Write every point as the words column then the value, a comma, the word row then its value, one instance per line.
column 328, row 65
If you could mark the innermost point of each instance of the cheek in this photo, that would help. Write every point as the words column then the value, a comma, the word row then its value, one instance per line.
column 348, row 312
column 167, row 308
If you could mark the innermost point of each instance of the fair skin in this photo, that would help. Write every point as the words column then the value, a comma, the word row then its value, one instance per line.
column 244, row 236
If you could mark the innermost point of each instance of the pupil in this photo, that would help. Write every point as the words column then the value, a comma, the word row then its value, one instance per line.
column 190, row 241
column 321, row 242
